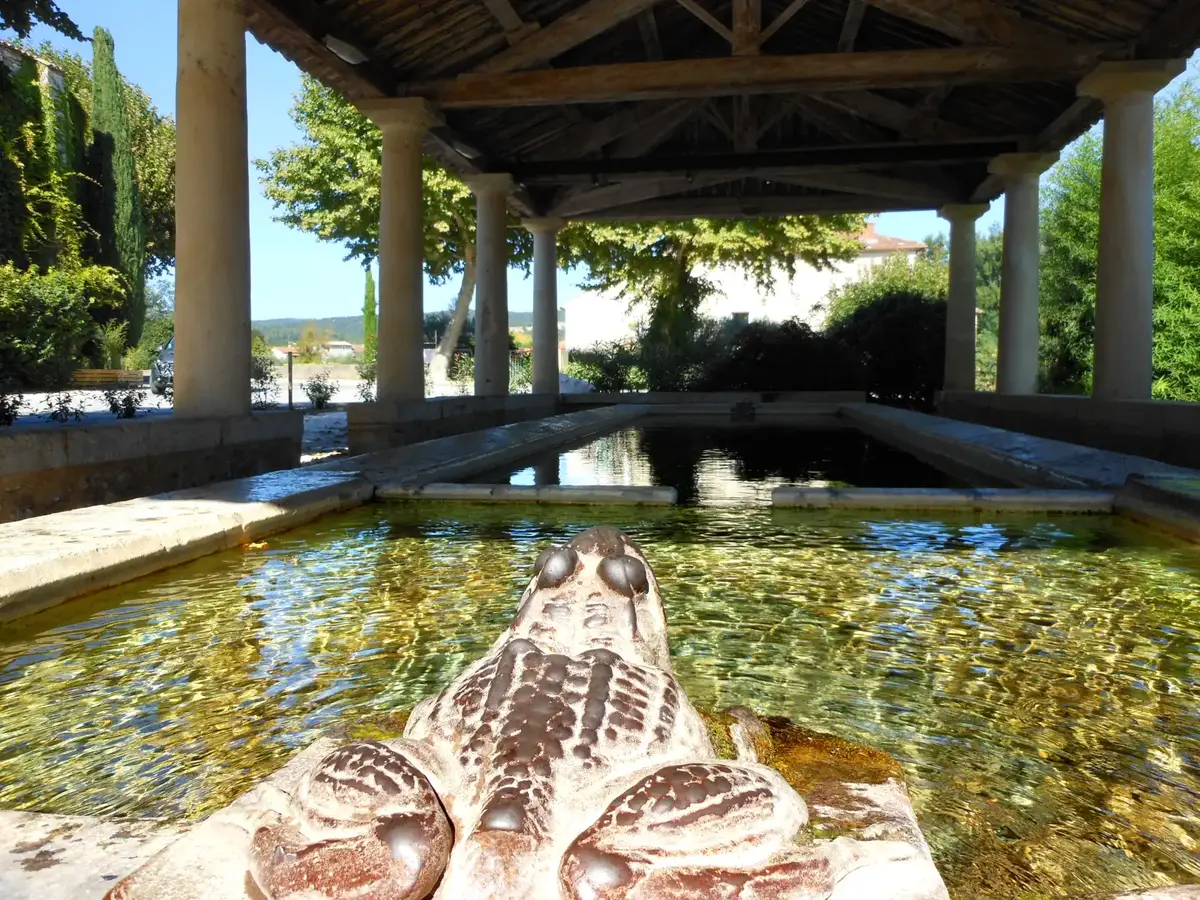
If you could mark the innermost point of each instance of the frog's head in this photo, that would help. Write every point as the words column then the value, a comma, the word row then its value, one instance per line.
column 597, row 592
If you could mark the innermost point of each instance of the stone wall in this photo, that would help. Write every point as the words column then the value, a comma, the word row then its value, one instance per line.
column 1155, row 429
column 61, row 467
column 376, row 426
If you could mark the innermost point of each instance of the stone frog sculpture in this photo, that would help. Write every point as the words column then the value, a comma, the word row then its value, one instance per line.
column 566, row 764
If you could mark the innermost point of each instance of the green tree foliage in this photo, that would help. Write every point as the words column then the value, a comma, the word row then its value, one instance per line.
column 370, row 322
column 924, row 277
column 1070, row 238
column 49, row 321
column 328, row 186
column 22, row 15
column 152, row 137
column 900, row 337
column 117, row 207
column 310, row 348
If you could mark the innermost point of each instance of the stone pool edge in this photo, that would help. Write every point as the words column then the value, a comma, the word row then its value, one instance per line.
column 52, row 559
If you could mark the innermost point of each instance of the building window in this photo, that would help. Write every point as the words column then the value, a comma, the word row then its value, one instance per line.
column 741, row 319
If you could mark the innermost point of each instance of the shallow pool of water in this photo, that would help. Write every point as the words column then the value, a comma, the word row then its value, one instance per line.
column 714, row 465
column 1038, row 678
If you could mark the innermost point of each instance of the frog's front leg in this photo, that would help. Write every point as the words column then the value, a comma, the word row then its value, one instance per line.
column 367, row 823
column 715, row 830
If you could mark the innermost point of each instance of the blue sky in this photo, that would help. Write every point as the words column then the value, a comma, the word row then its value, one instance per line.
column 294, row 274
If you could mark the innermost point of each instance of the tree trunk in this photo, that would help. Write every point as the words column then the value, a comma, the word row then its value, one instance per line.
column 439, row 368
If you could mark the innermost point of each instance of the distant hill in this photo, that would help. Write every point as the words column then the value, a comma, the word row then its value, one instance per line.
column 281, row 332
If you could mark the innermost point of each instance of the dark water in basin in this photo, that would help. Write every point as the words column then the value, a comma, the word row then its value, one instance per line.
column 715, row 465
column 1037, row 677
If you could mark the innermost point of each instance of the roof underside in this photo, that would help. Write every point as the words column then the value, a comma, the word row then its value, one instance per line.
column 676, row 108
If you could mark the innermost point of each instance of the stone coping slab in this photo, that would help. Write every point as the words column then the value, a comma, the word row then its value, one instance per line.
column 73, row 857
column 1007, row 456
column 1170, row 504
column 977, row 500
column 619, row 495
column 463, row 455
column 48, row 560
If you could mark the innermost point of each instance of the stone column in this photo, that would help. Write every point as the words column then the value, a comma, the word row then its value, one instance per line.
column 960, row 306
column 1017, row 363
column 1124, row 366
column 212, row 212
column 491, row 292
column 545, row 303
column 400, row 365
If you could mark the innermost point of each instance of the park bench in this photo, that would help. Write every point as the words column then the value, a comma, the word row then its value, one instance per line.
column 98, row 378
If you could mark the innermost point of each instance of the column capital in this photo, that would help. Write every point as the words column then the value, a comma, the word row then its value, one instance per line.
column 400, row 113
column 963, row 212
column 1110, row 80
column 543, row 226
column 490, row 183
column 1008, row 165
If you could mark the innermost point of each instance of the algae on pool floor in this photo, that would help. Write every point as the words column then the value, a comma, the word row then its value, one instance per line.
column 1038, row 678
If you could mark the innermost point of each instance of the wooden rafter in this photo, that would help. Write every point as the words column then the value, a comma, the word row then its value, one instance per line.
column 707, row 18
column 838, row 123
column 588, row 137
column 504, row 13
column 973, row 21
column 655, row 132
column 870, row 183
column 593, row 18
column 782, row 19
column 905, row 120
column 745, row 124
column 747, row 27
column 623, row 193
column 749, row 207
column 648, row 27
column 814, row 72
column 363, row 82
column 851, row 25
column 566, row 171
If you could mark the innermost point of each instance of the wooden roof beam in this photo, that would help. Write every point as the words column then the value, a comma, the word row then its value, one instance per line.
column 747, row 207
column 580, row 25
column 726, row 76
column 707, row 18
column 870, row 183
column 515, row 28
column 837, row 157
column 780, row 20
column 648, row 28
column 623, row 193
column 589, row 137
column 747, row 27
column 851, row 25
column 905, row 120
column 974, row 22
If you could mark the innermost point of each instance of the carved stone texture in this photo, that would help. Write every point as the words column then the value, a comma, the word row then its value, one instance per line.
column 566, row 764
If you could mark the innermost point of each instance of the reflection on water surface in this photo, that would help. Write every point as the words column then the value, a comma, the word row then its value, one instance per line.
column 715, row 465
column 1037, row 678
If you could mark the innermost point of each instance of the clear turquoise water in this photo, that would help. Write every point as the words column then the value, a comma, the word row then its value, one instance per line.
column 1038, row 678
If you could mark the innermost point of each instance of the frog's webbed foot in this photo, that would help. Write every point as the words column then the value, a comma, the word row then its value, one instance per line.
column 720, row 830
column 368, row 824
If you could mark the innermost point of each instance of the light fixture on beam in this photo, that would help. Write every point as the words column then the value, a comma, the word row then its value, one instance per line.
column 344, row 51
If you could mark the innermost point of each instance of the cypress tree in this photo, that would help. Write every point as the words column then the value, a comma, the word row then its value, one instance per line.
column 370, row 322
column 117, row 208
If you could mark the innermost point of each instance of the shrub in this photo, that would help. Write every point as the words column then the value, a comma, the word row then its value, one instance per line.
column 320, row 389
column 785, row 357
column 111, row 338
column 609, row 367
column 264, row 386
column 10, row 407
column 63, row 407
column 125, row 403
column 895, row 275
column 900, row 339
column 49, row 321
column 155, row 334
column 368, row 373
